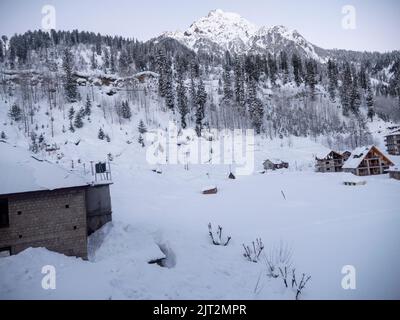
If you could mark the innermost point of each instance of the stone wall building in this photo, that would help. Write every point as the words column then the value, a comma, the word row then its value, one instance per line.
column 43, row 205
column 332, row 162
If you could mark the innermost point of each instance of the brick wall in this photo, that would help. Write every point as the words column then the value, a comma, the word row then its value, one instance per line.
column 52, row 219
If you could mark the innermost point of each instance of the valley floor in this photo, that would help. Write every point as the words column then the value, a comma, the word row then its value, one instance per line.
column 327, row 225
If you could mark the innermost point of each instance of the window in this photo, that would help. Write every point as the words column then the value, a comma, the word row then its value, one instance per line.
column 5, row 252
column 4, row 221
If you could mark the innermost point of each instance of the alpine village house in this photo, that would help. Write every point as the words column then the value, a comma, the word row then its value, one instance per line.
column 363, row 161
column 44, row 205
column 366, row 161
column 332, row 162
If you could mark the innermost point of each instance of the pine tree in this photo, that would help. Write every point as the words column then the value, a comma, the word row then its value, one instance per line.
column 370, row 102
column 345, row 90
column 142, row 128
column 161, row 65
column 272, row 68
column 362, row 77
column 1, row 52
column 201, row 100
column 141, row 141
column 15, row 113
column 182, row 102
column 355, row 97
column 88, row 106
column 93, row 61
column 220, row 90
column 70, row 87
column 311, row 78
column 71, row 113
column 98, row 44
column 101, row 134
column 3, row 135
column 71, row 127
column 169, row 90
column 227, row 85
column 124, row 61
column 41, row 138
column 106, row 59
column 284, row 66
column 34, row 147
column 256, row 110
column 192, row 92
column 112, row 62
column 333, row 81
column 78, row 122
column 240, row 96
column 297, row 69
column 126, row 110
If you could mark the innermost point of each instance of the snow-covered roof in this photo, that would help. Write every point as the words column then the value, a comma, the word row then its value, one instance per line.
column 356, row 157
column 21, row 171
column 275, row 160
column 324, row 155
column 147, row 73
column 394, row 133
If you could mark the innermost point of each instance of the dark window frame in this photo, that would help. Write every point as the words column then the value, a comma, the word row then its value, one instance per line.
column 4, row 213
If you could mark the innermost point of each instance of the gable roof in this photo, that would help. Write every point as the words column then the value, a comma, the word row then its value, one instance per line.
column 324, row 156
column 358, row 155
column 275, row 161
column 21, row 171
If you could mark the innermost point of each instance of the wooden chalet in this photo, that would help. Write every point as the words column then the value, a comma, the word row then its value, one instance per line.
column 366, row 161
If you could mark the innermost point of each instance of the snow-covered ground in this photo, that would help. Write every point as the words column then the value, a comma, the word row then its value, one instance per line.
column 327, row 225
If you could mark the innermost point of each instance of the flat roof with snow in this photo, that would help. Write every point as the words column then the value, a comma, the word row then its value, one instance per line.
column 22, row 172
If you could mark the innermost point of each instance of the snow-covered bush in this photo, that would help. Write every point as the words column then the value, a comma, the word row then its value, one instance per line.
column 218, row 240
column 253, row 251
column 279, row 265
column 278, row 258
column 298, row 287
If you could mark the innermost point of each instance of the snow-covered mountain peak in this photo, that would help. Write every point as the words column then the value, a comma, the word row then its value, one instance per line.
column 278, row 32
column 226, row 30
column 220, row 31
column 222, row 26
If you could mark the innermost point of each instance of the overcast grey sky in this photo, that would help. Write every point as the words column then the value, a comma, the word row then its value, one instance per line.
column 319, row 21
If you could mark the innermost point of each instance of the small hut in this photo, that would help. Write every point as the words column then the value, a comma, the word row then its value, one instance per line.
column 275, row 164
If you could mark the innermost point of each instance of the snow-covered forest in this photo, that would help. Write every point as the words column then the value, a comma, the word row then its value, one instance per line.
column 50, row 82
